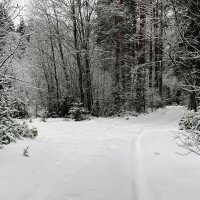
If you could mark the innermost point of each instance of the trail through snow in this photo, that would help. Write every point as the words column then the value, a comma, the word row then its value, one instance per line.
column 102, row 159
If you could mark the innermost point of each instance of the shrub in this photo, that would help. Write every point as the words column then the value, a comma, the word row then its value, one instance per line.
column 78, row 112
column 10, row 130
column 190, row 122
column 190, row 138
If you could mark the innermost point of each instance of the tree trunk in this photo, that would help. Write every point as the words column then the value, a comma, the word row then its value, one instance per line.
column 55, row 73
column 140, row 89
column 117, row 68
column 193, row 102
column 78, row 56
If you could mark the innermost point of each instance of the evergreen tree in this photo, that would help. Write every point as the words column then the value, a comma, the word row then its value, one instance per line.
column 117, row 29
column 10, row 130
column 6, row 24
column 187, row 63
column 22, row 27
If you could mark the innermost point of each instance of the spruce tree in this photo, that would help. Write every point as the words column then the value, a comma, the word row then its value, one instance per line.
column 10, row 130
column 116, row 30
column 21, row 28
column 187, row 63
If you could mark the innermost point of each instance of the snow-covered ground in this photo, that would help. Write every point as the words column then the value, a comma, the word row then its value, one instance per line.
column 102, row 159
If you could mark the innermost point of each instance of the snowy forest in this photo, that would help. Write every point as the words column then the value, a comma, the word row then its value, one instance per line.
column 109, row 56
column 90, row 77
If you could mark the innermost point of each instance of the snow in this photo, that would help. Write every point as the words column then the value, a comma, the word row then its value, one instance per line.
column 102, row 159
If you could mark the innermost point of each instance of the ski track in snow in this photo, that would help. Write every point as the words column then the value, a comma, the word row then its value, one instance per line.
column 102, row 159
